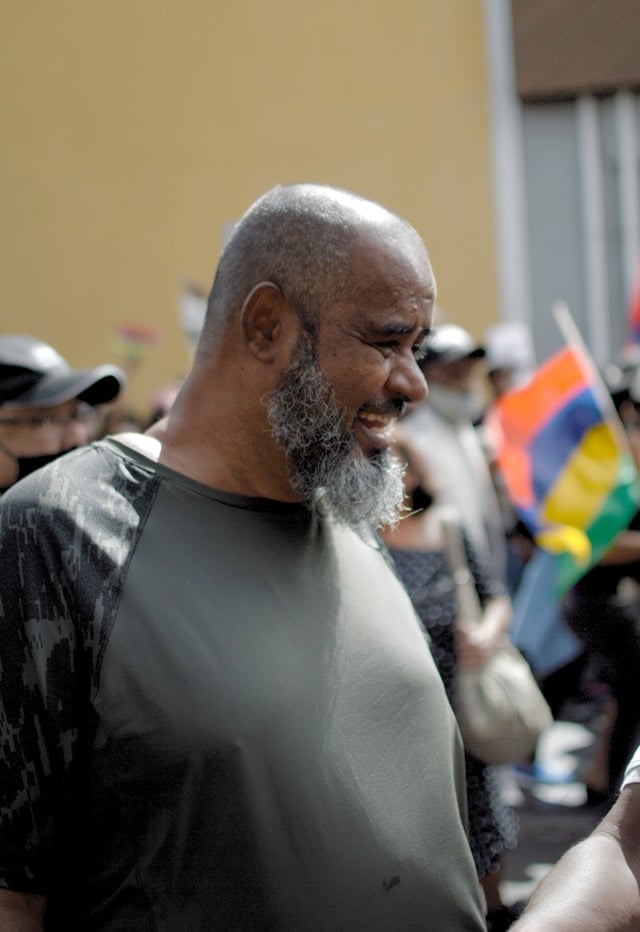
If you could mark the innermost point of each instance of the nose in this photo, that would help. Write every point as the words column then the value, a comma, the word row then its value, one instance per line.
column 75, row 434
column 407, row 380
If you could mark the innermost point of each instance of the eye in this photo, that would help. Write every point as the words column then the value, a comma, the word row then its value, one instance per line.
column 386, row 347
column 419, row 351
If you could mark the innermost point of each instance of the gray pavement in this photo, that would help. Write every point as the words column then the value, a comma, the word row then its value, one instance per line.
column 552, row 817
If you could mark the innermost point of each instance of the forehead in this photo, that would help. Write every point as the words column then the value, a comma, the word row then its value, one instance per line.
column 391, row 253
column 391, row 270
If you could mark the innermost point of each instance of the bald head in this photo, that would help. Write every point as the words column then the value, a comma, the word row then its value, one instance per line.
column 318, row 312
column 303, row 239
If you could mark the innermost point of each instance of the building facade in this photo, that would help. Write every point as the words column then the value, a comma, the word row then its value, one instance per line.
column 565, row 89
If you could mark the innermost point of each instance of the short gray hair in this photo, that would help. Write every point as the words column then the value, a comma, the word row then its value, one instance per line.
column 300, row 237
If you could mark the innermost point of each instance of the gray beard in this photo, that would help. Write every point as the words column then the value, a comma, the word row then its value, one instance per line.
column 326, row 466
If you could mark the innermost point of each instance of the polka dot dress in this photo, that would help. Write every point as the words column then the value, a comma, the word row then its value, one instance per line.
column 426, row 576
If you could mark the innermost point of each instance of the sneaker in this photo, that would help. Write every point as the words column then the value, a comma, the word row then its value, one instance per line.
column 530, row 774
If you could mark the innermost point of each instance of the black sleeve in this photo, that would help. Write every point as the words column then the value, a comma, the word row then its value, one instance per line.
column 38, row 714
column 67, row 533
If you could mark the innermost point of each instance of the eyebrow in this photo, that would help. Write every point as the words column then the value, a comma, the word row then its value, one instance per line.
column 400, row 329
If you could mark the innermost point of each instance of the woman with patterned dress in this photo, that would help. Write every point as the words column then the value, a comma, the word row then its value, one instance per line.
column 417, row 549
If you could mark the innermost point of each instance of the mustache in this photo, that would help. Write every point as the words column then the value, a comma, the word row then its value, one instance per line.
column 394, row 407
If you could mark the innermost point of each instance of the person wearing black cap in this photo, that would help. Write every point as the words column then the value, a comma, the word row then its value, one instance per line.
column 46, row 407
column 442, row 430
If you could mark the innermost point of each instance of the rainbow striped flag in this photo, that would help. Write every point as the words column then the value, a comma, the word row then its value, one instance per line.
column 566, row 462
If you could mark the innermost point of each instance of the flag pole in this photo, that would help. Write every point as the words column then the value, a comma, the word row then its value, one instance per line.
column 567, row 326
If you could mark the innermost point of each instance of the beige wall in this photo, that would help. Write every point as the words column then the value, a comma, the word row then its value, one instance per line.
column 135, row 130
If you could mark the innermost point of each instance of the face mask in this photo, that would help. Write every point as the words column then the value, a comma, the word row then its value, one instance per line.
column 29, row 464
column 421, row 499
column 452, row 403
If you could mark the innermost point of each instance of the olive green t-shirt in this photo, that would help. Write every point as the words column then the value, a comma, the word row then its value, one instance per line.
column 222, row 714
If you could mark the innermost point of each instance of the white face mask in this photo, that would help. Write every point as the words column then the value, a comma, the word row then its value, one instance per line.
column 452, row 403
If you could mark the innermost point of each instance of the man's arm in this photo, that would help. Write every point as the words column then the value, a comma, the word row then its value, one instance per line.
column 21, row 912
column 625, row 548
column 595, row 886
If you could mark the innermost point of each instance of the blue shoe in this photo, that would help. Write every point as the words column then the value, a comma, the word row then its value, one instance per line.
column 529, row 774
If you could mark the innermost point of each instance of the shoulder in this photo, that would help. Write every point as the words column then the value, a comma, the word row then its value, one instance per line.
column 82, row 480
column 75, row 519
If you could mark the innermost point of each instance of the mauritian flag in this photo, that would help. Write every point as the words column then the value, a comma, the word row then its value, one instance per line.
column 634, row 312
column 566, row 463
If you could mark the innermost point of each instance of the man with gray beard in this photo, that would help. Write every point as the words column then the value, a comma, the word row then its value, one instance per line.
column 324, row 461
column 218, row 708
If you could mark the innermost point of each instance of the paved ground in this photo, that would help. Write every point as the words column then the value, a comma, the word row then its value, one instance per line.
column 551, row 817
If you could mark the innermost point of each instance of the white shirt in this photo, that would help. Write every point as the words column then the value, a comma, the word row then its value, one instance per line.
column 460, row 474
column 632, row 773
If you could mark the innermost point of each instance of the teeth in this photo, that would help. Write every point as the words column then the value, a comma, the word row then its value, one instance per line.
column 366, row 416
column 382, row 421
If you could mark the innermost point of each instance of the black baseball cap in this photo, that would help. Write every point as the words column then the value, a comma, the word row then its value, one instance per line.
column 450, row 343
column 32, row 373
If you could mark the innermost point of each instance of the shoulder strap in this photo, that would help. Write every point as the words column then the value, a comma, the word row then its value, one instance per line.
column 466, row 595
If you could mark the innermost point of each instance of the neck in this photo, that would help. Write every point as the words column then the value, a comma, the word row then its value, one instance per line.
column 210, row 436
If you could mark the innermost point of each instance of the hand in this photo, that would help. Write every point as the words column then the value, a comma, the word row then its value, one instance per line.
column 633, row 436
column 21, row 912
column 474, row 644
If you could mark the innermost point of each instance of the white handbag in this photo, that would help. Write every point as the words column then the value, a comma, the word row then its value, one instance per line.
column 500, row 709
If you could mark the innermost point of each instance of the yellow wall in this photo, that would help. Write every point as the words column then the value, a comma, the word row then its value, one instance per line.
column 134, row 131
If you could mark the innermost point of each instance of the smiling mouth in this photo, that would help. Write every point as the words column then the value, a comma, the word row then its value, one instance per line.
column 379, row 424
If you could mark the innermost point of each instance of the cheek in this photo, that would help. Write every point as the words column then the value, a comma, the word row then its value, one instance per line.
column 38, row 445
column 8, row 470
column 358, row 379
column 357, row 393
column 76, row 435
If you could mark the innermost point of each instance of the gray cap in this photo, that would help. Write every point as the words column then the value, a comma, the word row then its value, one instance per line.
column 32, row 373
column 509, row 346
column 450, row 343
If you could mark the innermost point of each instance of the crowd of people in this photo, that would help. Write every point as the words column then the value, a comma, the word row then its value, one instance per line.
column 229, row 642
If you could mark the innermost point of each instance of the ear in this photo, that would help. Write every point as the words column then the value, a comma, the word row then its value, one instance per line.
column 266, row 321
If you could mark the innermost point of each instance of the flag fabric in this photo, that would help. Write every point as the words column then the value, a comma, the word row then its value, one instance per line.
column 565, row 462
column 537, row 628
column 634, row 313
column 131, row 342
